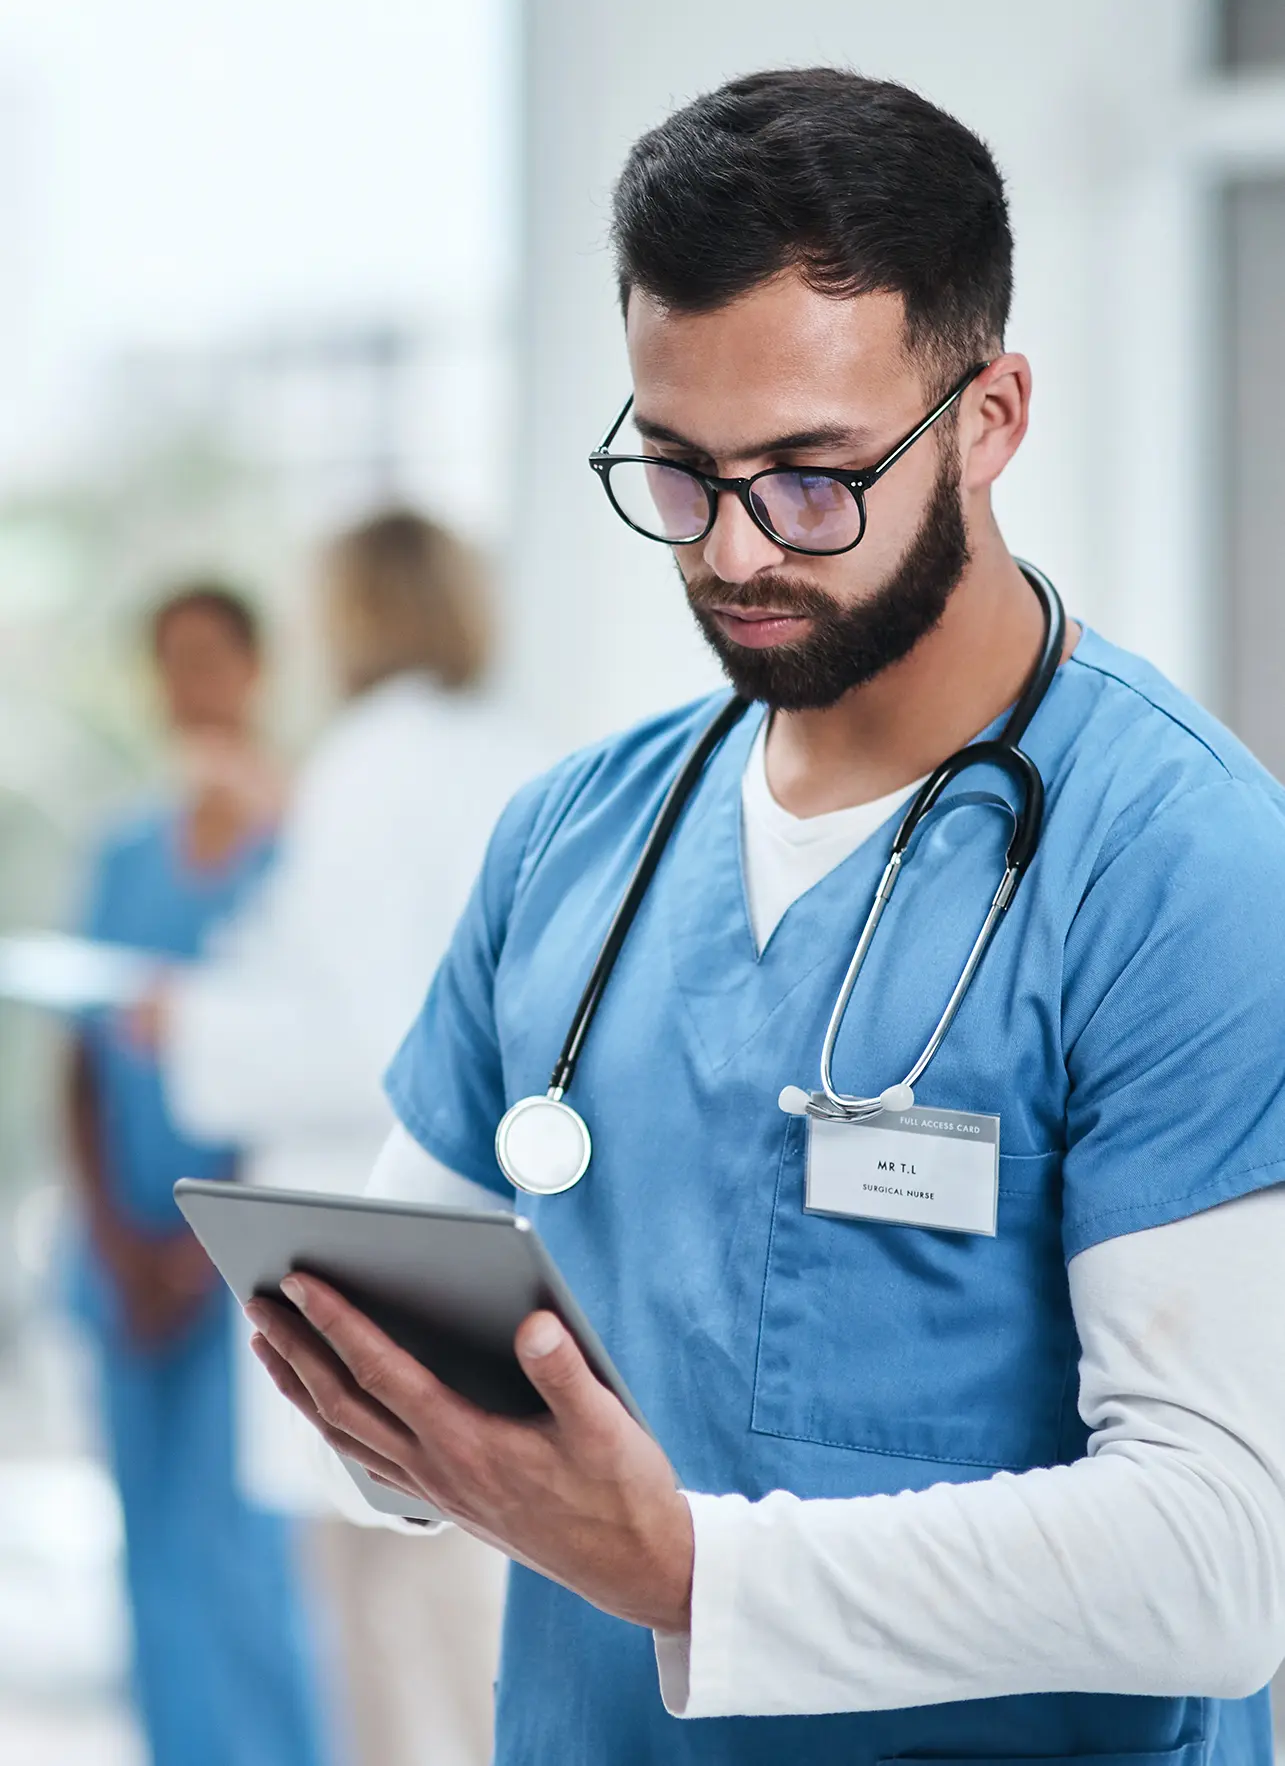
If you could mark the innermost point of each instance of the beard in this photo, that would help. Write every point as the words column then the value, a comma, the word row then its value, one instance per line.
column 846, row 646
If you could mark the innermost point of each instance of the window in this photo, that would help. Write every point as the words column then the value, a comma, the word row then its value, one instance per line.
column 1252, row 586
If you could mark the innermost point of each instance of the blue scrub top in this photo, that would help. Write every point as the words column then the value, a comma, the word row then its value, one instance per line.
column 144, row 892
column 1126, row 1025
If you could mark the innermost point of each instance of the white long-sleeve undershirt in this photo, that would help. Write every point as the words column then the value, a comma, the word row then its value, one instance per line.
column 1155, row 1565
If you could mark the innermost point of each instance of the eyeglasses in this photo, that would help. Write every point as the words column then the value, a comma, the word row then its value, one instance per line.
column 819, row 510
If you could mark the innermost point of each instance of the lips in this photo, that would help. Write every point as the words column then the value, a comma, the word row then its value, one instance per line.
column 758, row 628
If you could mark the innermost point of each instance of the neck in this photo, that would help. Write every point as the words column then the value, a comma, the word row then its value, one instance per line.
column 229, row 799
column 894, row 729
column 217, row 824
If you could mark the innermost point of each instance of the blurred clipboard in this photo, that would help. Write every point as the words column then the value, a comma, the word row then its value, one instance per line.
column 67, row 974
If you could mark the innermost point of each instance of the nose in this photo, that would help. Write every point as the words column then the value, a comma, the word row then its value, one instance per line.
column 736, row 548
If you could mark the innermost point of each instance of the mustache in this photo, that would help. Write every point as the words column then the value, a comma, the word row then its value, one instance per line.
column 704, row 593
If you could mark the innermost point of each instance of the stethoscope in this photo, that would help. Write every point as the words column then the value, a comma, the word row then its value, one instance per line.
column 543, row 1144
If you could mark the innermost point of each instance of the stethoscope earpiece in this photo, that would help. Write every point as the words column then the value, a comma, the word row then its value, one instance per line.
column 794, row 1101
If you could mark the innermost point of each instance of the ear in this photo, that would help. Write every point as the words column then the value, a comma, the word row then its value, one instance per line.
column 996, row 410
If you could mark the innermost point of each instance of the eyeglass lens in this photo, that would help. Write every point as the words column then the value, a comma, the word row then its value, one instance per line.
column 804, row 509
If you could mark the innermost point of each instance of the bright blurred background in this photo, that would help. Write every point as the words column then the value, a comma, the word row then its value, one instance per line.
column 269, row 264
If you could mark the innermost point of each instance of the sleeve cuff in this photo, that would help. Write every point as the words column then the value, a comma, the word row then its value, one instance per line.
column 696, row 1668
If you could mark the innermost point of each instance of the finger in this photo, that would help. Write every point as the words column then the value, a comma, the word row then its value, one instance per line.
column 338, row 1401
column 389, row 1483
column 322, row 1375
column 402, row 1385
column 554, row 1365
column 290, row 1386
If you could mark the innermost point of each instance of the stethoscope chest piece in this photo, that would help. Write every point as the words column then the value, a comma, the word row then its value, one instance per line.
column 543, row 1146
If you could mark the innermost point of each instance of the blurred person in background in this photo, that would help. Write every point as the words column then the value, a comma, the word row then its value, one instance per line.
column 221, row 1671
column 280, row 1043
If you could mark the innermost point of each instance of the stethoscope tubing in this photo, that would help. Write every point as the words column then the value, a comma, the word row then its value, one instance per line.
column 726, row 719
column 522, row 1137
column 830, row 1103
column 1003, row 752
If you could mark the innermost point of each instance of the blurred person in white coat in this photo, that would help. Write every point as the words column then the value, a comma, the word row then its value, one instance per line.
column 281, row 1040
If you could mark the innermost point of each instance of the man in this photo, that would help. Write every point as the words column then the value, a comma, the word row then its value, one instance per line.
column 222, row 1658
column 895, row 1536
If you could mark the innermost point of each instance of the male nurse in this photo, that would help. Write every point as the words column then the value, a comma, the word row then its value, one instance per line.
column 915, row 1492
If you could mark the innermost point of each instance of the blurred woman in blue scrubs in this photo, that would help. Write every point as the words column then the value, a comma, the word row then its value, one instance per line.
column 222, row 1675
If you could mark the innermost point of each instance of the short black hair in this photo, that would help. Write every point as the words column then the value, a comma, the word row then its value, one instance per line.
column 861, row 185
column 205, row 595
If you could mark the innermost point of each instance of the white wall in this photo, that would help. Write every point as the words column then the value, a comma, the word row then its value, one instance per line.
column 1082, row 108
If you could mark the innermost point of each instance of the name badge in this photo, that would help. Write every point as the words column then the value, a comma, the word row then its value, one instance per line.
column 919, row 1167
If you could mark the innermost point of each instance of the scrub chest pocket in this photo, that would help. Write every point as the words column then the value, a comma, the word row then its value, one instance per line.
column 923, row 1344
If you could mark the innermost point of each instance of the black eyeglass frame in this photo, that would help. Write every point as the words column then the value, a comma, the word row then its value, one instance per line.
column 857, row 483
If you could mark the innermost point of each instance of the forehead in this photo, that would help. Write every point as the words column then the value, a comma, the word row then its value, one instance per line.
column 189, row 629
column 780, row 359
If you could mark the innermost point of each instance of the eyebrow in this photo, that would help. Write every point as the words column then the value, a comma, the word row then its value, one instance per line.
column 829, row 435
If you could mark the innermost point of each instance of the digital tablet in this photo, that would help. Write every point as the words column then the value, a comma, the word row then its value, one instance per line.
column 450, row 1285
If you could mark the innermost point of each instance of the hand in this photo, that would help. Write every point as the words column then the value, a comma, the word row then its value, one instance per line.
column 182, row 1270
column 144, row 1023
column 583, row 1495
column 162, row 1283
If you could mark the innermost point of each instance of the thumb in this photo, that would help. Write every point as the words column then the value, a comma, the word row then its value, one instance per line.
column 558, row 1371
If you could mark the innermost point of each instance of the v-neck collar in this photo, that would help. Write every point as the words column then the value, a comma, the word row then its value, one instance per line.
column 839, row 833
column 732, row 990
